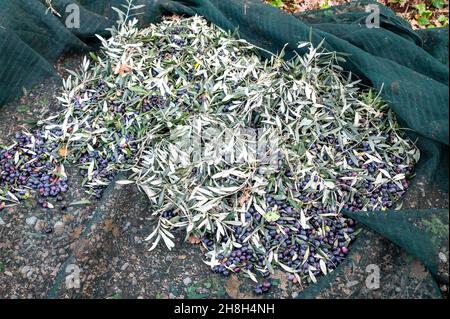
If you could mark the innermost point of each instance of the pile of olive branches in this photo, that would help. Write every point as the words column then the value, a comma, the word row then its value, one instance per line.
column 208, row 129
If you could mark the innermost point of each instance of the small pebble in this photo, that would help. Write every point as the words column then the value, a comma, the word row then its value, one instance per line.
column 30, row 221
column 58, row 228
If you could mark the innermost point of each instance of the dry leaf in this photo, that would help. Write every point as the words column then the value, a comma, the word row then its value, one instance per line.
column 115, row 231
column 244, row 198
column 347, row 291
column 174, row 18
column 76, row 232
column 111, row 228
column 232, row 287
column 63, row 151
column 108, row 225
column 193, row 240
column 80, row 247
column 122, row 68
column 67, row 218
column 418, row 270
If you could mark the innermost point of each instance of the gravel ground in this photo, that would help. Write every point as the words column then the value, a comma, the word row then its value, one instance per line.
column 98, row 250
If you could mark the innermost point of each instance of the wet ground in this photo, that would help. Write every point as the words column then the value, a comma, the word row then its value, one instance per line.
column 97, row 250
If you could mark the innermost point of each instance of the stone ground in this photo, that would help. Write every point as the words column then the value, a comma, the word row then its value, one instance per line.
column 97, row 250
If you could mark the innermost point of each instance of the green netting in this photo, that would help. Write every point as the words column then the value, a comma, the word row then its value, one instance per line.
column 409, row 67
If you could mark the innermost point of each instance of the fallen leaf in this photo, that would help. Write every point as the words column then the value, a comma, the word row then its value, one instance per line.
column 122, row 68
column 244, row 198
column 76, row 232
column 80, row 247
column 232, row 287
column 347, row 291
column 67, row 218
column 108, row 225
column 174, row 18
column 80, row 202
column 418, row 270
column 63, row 151
column 115, row 231
column 193, row 240
column 111, row 228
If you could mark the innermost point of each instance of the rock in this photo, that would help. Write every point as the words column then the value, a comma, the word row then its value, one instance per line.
column 187, row 281
column 442, row 257
column 2, row 222
column 124, row 266
column 39, row 226
column 31, row 221
column 58, row 228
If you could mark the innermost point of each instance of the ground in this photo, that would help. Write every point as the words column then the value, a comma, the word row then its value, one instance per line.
column 97, row 250
column 420, row 13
